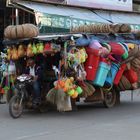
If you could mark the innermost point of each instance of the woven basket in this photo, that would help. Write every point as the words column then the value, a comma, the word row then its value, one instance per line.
column 124, row 84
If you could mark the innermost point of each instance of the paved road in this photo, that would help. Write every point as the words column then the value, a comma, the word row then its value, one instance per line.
column 91, row 122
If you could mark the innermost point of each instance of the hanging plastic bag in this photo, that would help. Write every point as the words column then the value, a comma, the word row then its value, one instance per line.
column 11, row 68
column 83, row 41
column 60, row 100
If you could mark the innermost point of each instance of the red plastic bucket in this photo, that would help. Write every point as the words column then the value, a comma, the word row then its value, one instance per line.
column 119, row 74
column 131, row 75
column 116, row 48
column 91, row 64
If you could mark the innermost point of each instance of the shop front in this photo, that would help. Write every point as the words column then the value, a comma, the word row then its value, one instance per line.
column 8, row 17
column 52, row 18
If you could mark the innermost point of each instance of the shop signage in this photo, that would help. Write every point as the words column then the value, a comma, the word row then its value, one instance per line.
column 59, row 21
column 65, row 22
column 124, row 5
column 53, row 1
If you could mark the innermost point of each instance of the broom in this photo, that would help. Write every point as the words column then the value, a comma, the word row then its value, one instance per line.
column 57, row 96
column 91, row 89
column 50, row 97
column 62, row 99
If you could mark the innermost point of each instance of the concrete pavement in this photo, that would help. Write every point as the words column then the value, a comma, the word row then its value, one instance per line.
column 90, row 122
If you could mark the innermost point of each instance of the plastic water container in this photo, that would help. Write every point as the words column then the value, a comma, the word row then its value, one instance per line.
column 112, row 73
column 119, row 74
column 91, row 64
column 101, row 74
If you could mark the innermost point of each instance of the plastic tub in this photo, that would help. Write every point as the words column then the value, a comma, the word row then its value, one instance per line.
column 101, row 74
column 111, row 75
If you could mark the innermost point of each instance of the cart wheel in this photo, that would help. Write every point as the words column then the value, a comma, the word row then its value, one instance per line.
column 117, row 98
column 110, row 99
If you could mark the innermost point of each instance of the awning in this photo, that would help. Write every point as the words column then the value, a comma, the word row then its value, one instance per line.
column 72, row 12
column 101, row 16
column 73, row 16
column 120, row 17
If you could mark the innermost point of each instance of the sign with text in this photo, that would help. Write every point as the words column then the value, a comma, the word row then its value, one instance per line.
column 124, row 5
column 53, row 1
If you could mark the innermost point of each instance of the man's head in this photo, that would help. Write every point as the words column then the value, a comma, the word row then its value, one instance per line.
column 31, row 62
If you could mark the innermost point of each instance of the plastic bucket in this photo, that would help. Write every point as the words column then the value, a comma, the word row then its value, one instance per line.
column 116, row 48
column 111, row 75
column 119, row 74
column 125, row 47
column 91, row 64
column 101, row 74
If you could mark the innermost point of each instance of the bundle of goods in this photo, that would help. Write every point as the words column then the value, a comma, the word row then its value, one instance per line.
column 8, row 79
column 68, row 86
column 137, row 33
column 103, row 28
column 105, row 65
column 99, row 55
column 16, row 52
column 21, row 31
column 129, row 80
column 87, row 63
column 60, row 95
column 102, row 65
column 135, row 63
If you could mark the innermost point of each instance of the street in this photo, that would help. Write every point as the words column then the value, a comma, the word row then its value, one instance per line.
column 90, row 122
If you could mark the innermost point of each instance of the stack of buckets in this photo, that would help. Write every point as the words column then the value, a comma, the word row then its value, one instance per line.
column 101, row 71
column 111, row 75
column 96, row 68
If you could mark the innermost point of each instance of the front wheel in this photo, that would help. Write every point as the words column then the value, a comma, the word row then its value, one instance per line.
column 16, row 106
column 110, row 98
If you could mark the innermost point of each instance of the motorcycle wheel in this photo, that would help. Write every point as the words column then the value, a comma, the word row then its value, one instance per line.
column 9, row 95
column 15, row 107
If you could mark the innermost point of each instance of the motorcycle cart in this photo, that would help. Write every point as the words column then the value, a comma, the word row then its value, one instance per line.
column 95, row 67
